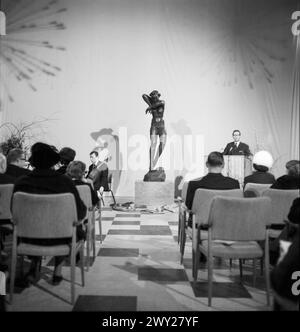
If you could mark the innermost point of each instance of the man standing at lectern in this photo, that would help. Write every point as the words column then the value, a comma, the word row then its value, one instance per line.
column 237, row 147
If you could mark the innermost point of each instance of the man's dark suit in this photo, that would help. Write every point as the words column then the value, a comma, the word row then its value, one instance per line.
column 214, row 181
column 232, row 149
column 99, row 175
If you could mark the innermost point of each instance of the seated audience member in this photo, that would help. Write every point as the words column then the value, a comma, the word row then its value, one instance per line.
column 213, row 180
column 16, row 163
column 98, row 172
column 5, row 178
column 75, row 171
column 289, row 231
column 66, row 156
column 292, row 179
column 262, row 162
column 282, row 277
column 45, row 180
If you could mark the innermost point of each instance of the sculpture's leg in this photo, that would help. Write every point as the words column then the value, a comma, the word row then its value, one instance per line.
column 152, row 150
column 162, row 144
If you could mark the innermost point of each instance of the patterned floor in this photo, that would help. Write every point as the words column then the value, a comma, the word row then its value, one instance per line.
column 137, row 268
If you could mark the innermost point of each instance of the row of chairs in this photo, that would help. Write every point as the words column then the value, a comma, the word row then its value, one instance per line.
column 49, row 217
column 220, row 216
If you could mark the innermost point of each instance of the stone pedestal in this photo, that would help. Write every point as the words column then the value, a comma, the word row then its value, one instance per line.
column 154, row 193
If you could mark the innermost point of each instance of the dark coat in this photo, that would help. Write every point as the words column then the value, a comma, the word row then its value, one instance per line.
column 259, row 177
column 16, row 171
column 287, row 182
column 99, row 175
column 7, row 179
column 50, row 182
column 242, row 149
column 214, row 181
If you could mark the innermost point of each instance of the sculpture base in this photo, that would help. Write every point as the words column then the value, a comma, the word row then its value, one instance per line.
column 155, row 175
column 154, row 193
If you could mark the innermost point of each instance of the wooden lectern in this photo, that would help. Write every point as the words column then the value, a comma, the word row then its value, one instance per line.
column 237, row 167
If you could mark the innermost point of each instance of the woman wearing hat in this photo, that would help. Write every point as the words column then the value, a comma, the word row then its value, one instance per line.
column 156, row 109
column 45, row 180
column 262, row 162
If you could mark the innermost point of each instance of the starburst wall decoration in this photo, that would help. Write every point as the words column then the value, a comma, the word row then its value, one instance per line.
column 26, row 24
column 248, row 39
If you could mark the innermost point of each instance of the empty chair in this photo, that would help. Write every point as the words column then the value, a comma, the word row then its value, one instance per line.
column 85, row 195
column 109, row 180
column 234, row 227
column 256, row 188
column 52, row 216
column 6, row 191
column 281, row 201
column 182, row 211
column 200, row 209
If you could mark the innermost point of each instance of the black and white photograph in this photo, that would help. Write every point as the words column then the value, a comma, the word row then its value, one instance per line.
column 149, row 159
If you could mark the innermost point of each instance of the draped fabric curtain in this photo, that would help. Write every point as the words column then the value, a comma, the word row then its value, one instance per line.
column 294, row 138
column 219, row 65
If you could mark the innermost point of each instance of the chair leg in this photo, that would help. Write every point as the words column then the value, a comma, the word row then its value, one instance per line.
column 182, row 238
column 94, row 242
column 267, row 276
column 102, row 200
column 100, row 225
column 73, row 276
column 254, row 271
column 82, row 264
column 112, row 194
column 12, row 274
column 241, row 268
column 179, row 224
column 210, row 278
column 182, row 244
column 88, row 249
column 197, row 255
column 230, row 263
column 194, row 249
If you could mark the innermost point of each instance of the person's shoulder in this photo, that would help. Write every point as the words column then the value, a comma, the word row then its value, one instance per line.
column 244, row 145
column 7, row 179
column 248, row 177
column 233, row 181
column 282, row 178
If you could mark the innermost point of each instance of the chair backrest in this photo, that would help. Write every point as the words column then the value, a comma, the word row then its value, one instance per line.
column 185, row 188
column 85, row 195
column 239, row 219
column 281, row 201
column 6, row 191
column 258, row 188
column 44, row 216
column 203, row 199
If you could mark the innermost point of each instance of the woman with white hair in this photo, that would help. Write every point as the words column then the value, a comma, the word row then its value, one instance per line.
column 262, row 163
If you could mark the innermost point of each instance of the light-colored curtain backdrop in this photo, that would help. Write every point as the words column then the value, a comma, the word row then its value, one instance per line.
column 219, row 65
column 294, row 138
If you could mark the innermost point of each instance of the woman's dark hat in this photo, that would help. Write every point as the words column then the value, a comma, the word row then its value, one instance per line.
column 43, row 156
